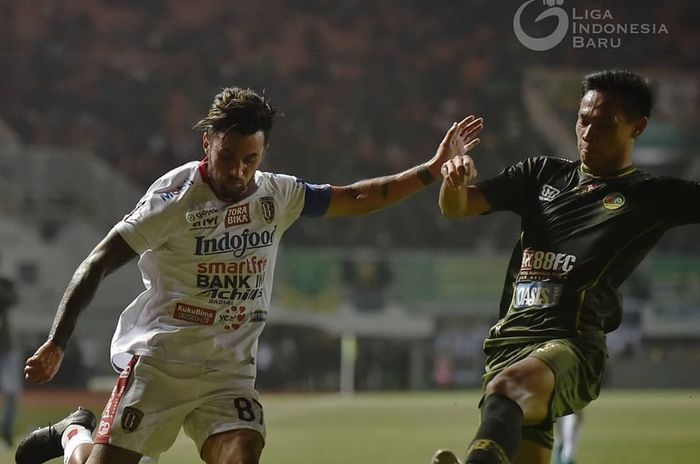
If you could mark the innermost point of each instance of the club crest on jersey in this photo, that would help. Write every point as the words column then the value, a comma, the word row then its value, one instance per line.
column 613, row 201
column 548, row 193
column 267, row 209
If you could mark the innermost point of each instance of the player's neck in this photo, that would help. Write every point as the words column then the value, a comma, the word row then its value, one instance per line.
column 613, row 171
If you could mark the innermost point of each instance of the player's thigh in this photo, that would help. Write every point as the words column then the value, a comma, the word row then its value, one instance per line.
column 530, row 452
column 529, row 382
column 109, row 454
column 240, row 446
column 233, row 406
column 579, row 368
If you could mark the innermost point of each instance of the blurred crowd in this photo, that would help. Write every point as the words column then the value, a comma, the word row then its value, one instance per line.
column 367, row 88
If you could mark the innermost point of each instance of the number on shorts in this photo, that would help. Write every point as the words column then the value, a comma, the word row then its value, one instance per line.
column 245, row 409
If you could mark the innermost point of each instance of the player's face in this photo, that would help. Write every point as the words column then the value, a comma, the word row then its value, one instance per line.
column 233, row 160
column 604, row 134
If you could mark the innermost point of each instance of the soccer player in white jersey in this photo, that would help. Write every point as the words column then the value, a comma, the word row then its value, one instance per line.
column 207, row 235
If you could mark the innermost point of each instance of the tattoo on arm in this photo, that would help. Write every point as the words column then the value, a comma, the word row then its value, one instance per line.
column 424, row 175
column 385, row 190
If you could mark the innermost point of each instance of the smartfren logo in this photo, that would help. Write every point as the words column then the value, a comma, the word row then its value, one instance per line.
column 540, row 44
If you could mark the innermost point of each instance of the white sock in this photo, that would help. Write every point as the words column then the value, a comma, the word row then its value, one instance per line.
column 74, row 436
column 570, row 427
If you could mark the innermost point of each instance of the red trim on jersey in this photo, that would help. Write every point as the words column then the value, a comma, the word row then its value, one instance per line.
column 104, row 429
column 204, row 172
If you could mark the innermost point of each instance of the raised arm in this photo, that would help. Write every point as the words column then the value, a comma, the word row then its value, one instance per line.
column 370, row 195
column 108, row 256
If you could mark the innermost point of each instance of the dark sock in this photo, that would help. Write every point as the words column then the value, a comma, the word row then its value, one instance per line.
column 498, row 437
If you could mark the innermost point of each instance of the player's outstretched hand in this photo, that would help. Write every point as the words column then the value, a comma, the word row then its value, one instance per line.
column 44, row 364
column 460, row 139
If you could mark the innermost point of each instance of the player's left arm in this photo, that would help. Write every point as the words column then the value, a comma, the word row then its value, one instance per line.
column 370, row 195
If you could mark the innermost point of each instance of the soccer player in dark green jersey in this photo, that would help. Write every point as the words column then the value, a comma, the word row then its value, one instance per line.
column 585, row 226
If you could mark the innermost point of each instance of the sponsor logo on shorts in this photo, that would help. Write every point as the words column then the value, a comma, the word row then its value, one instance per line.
column 105, row 428
column 237, row 216
column 195, row 314
column 548, row 193
column 267, row 209
column 613, row 201
column 131, row 418
column 536, row 295
column 548, row 347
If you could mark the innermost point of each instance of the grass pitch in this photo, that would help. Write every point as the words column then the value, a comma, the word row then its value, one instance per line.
column 622, row 427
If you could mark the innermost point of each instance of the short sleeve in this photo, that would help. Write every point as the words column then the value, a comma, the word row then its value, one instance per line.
column 146, row 227
column 298, row 197
column 149, row 225
column 512, row 189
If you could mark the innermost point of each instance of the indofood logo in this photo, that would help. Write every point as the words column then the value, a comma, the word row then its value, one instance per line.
column 589, row 28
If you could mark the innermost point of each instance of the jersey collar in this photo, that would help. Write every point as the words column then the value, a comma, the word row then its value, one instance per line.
column 621, row 173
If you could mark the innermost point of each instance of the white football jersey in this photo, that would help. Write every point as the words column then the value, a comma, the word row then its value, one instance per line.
column 207, row 266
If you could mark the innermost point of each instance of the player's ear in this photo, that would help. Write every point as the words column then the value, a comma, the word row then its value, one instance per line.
column 205, row 142
column 639, row 126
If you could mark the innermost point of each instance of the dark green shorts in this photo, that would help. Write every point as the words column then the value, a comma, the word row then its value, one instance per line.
column 578, row 367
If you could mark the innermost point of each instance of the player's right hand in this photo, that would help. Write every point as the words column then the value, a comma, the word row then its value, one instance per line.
column 44, row 364
column 459, row 171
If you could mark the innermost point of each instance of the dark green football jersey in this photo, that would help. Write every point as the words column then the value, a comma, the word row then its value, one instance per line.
column 582, row 236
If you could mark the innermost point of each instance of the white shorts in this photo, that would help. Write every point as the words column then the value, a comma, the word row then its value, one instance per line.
column 153, row 399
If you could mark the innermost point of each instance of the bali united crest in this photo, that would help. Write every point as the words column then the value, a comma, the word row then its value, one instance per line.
column 267, row 208
column 131, row 418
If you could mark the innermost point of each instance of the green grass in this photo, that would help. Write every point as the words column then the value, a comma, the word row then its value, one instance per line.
column 622, row 427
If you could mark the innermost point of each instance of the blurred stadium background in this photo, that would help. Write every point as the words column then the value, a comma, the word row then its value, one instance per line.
column 97, row 99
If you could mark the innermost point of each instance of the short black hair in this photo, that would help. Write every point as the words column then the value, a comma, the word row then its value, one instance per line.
column 632, row 89
column 241, row 110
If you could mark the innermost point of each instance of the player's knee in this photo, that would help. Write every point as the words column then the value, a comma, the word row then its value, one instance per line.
column 507, row 384
column 519, row 386
column 526, row 385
